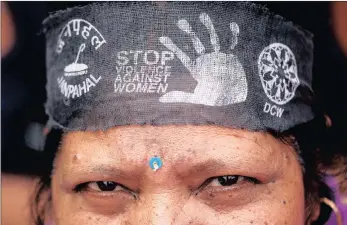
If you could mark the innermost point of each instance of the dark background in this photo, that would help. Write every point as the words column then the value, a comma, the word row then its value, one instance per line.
column 23, row 76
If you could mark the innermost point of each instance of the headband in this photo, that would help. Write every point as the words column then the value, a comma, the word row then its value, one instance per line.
column 231, row 64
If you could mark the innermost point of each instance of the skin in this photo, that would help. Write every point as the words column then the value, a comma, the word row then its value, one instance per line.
column 174, row 194
column 339, row 21
column 16, row 193
column 7, row 30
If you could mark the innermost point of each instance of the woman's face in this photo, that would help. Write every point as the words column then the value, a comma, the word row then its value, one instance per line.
column 210, row 175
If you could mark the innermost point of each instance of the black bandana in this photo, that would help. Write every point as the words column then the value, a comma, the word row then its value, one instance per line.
column 229, row 64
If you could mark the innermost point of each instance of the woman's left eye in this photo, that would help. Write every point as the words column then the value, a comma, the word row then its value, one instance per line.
column 230, row 180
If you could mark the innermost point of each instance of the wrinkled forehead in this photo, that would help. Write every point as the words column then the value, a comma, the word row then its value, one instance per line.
column 171, row 136
column 200, row 63
column 182, row 147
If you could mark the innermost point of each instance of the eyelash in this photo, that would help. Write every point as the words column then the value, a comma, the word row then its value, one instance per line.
column 84, row 186
column 252, row 180
column 81, row 187
column 247, row 179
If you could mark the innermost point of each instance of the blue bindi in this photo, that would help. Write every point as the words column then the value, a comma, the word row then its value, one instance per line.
column 155, row 163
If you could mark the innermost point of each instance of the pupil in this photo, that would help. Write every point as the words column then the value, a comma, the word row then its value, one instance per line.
column 227, row 180
column 106, row 185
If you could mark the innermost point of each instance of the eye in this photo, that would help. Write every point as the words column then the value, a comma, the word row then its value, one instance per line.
column 229, row 180
column 226, row 180
column 105, row 197
column 218, row 190
column 100, row 186
column 104, row 186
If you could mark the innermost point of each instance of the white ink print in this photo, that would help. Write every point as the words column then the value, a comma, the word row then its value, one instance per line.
column 87, row 34
column 77, row 27
column 220, row 76
column 77, row 69
column 278, row 73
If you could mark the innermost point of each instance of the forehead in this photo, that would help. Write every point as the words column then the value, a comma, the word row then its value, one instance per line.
column 184, row 151
column 174, row 140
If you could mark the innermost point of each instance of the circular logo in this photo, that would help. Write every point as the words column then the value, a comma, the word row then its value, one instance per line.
column 278, row 73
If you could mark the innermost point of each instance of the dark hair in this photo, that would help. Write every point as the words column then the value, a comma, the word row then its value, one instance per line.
column 39, row 201
column 310, row 141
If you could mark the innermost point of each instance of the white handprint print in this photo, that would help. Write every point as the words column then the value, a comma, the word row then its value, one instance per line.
column 220, row 76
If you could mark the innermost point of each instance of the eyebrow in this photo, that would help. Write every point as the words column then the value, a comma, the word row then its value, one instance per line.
column 246, row 163
column 80, row 174
column 234, row 166
column 205, row 166
column 111, row 171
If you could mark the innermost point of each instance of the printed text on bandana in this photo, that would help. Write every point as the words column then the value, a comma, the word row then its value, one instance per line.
column 273, row 110
column 142, row 71
column 77, row 90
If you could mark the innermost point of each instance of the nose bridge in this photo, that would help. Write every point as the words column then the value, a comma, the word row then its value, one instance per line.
column 161, row 208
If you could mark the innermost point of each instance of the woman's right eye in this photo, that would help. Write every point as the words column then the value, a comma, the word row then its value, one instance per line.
column 100, row 186
column 105, row 197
